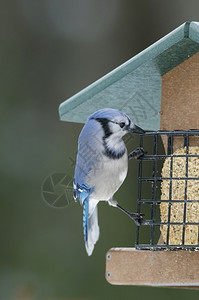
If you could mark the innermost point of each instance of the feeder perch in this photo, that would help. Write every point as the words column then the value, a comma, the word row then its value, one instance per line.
column 159, row 90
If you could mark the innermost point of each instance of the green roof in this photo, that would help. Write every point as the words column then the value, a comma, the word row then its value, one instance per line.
column 135, row 86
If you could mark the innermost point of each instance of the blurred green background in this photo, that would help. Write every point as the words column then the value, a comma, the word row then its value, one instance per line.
column 50, row 50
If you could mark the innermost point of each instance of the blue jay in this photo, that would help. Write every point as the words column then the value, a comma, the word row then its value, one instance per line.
column 101, row 166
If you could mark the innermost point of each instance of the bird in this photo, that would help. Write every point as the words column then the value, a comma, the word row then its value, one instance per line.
column 101, row 166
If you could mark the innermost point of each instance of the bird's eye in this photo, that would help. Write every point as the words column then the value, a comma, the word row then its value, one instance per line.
column 122, row 124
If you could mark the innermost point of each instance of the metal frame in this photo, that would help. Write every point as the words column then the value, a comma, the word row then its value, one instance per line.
column 153, row 222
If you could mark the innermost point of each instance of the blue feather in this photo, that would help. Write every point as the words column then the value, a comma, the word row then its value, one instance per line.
column 82, row 193
column 85, row 218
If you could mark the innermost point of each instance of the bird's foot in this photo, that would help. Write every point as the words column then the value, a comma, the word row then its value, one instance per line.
column 137, row 153
column 136, row 217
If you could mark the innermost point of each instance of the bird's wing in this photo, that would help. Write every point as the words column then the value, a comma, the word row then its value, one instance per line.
column 88, row 159
column 81, row 191
column 90, row 150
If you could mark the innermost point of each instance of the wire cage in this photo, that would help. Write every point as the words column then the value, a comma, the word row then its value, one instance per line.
column 168, row 191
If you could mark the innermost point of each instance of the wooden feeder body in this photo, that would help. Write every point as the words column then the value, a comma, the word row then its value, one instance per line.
column 180, row 94
column 159, row 90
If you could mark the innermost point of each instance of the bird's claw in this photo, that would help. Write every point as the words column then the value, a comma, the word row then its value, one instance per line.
column 137, row 153
column 137, row 218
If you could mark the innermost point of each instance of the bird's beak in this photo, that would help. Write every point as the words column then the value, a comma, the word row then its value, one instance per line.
column 135, row 129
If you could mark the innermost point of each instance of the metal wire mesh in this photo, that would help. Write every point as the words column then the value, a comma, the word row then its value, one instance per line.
column 150, row 179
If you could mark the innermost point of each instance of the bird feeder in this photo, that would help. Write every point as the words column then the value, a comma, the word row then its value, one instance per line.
column 159, row 90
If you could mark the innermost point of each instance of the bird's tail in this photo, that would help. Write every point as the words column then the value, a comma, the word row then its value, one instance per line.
column 90, row 227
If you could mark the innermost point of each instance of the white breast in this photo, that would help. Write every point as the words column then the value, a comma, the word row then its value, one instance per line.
column 107, row 177
column 122, row 176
